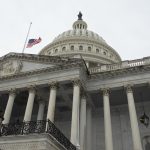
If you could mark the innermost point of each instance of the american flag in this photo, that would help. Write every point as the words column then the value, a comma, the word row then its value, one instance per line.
column 32, row 42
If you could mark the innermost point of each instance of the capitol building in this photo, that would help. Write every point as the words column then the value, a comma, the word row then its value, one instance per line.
column 75, row 94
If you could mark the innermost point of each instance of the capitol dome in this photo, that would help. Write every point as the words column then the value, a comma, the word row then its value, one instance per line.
column 80, row 42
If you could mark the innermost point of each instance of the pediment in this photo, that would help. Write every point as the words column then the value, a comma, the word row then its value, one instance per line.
column 15, row 63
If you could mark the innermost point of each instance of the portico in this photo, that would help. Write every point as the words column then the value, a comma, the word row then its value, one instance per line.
column 51, row 93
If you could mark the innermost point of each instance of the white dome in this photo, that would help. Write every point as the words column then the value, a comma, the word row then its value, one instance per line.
column 81, row 42
column 80, row 33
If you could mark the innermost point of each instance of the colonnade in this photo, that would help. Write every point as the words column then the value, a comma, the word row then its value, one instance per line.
column 81, row 115
column 137, row 145
column 75, row 123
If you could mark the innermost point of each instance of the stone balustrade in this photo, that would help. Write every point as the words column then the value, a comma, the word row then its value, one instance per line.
column 36, row 127
column 122, row 65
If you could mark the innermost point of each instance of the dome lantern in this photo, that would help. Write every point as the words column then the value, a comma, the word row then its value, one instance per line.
column 79, row 24
column 82, row 42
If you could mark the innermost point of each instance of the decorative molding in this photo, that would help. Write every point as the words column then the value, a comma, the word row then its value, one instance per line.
column 105, row 91
column 24, row 145
column 77, row 39
column 12, row 91
column 10, row 67
column 31, row 88
column 53, row 85
column 44, row 70
column 38, row 58
column 119, row 72
column 71, row 63
column 128, row 88
column 76, row 82
column 99, row 58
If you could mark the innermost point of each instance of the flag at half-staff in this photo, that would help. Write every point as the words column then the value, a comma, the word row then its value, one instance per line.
column 32, row 42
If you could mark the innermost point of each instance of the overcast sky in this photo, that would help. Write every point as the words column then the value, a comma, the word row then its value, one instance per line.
column 124, row 24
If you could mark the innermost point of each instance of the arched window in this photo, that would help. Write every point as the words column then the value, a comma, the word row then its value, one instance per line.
column 49, row 52
column 80, row 26
column 97, row 50
column 81, row 47
column 104, row 53
column 89, row 48
column 64, row 48
column 56, row 50
column 72, row 47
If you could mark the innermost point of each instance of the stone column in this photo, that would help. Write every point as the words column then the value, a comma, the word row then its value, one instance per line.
column 41, row 110
column 83, row 123
column 9, row 107
column 107, row 121
column 89, row 128
column 30, row 102
column 133, row 120
column 52, row 101
column 75, row 113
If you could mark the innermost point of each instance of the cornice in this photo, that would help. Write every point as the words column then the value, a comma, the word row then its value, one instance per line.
column 38, row 58
column 44, row 70
column 94, row 56
column 120, row 72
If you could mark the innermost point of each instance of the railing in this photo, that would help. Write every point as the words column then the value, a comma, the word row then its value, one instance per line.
column 137, row 62
column 42, row 126
column 122, row 65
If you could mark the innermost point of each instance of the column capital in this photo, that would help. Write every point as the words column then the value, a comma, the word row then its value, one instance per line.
column 31, row 88
column 76, row 82
column 53, row 85
column 12, row 91
column 128, row 88
column 105, row 91
column 83, row 94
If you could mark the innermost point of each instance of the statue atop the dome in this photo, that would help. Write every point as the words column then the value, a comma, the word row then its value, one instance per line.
column 80, row 16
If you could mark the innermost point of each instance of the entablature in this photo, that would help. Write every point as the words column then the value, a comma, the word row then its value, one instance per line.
column 15, row 65
column 116, row 79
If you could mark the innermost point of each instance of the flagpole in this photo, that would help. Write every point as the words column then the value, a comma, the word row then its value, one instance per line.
column 26, row 38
